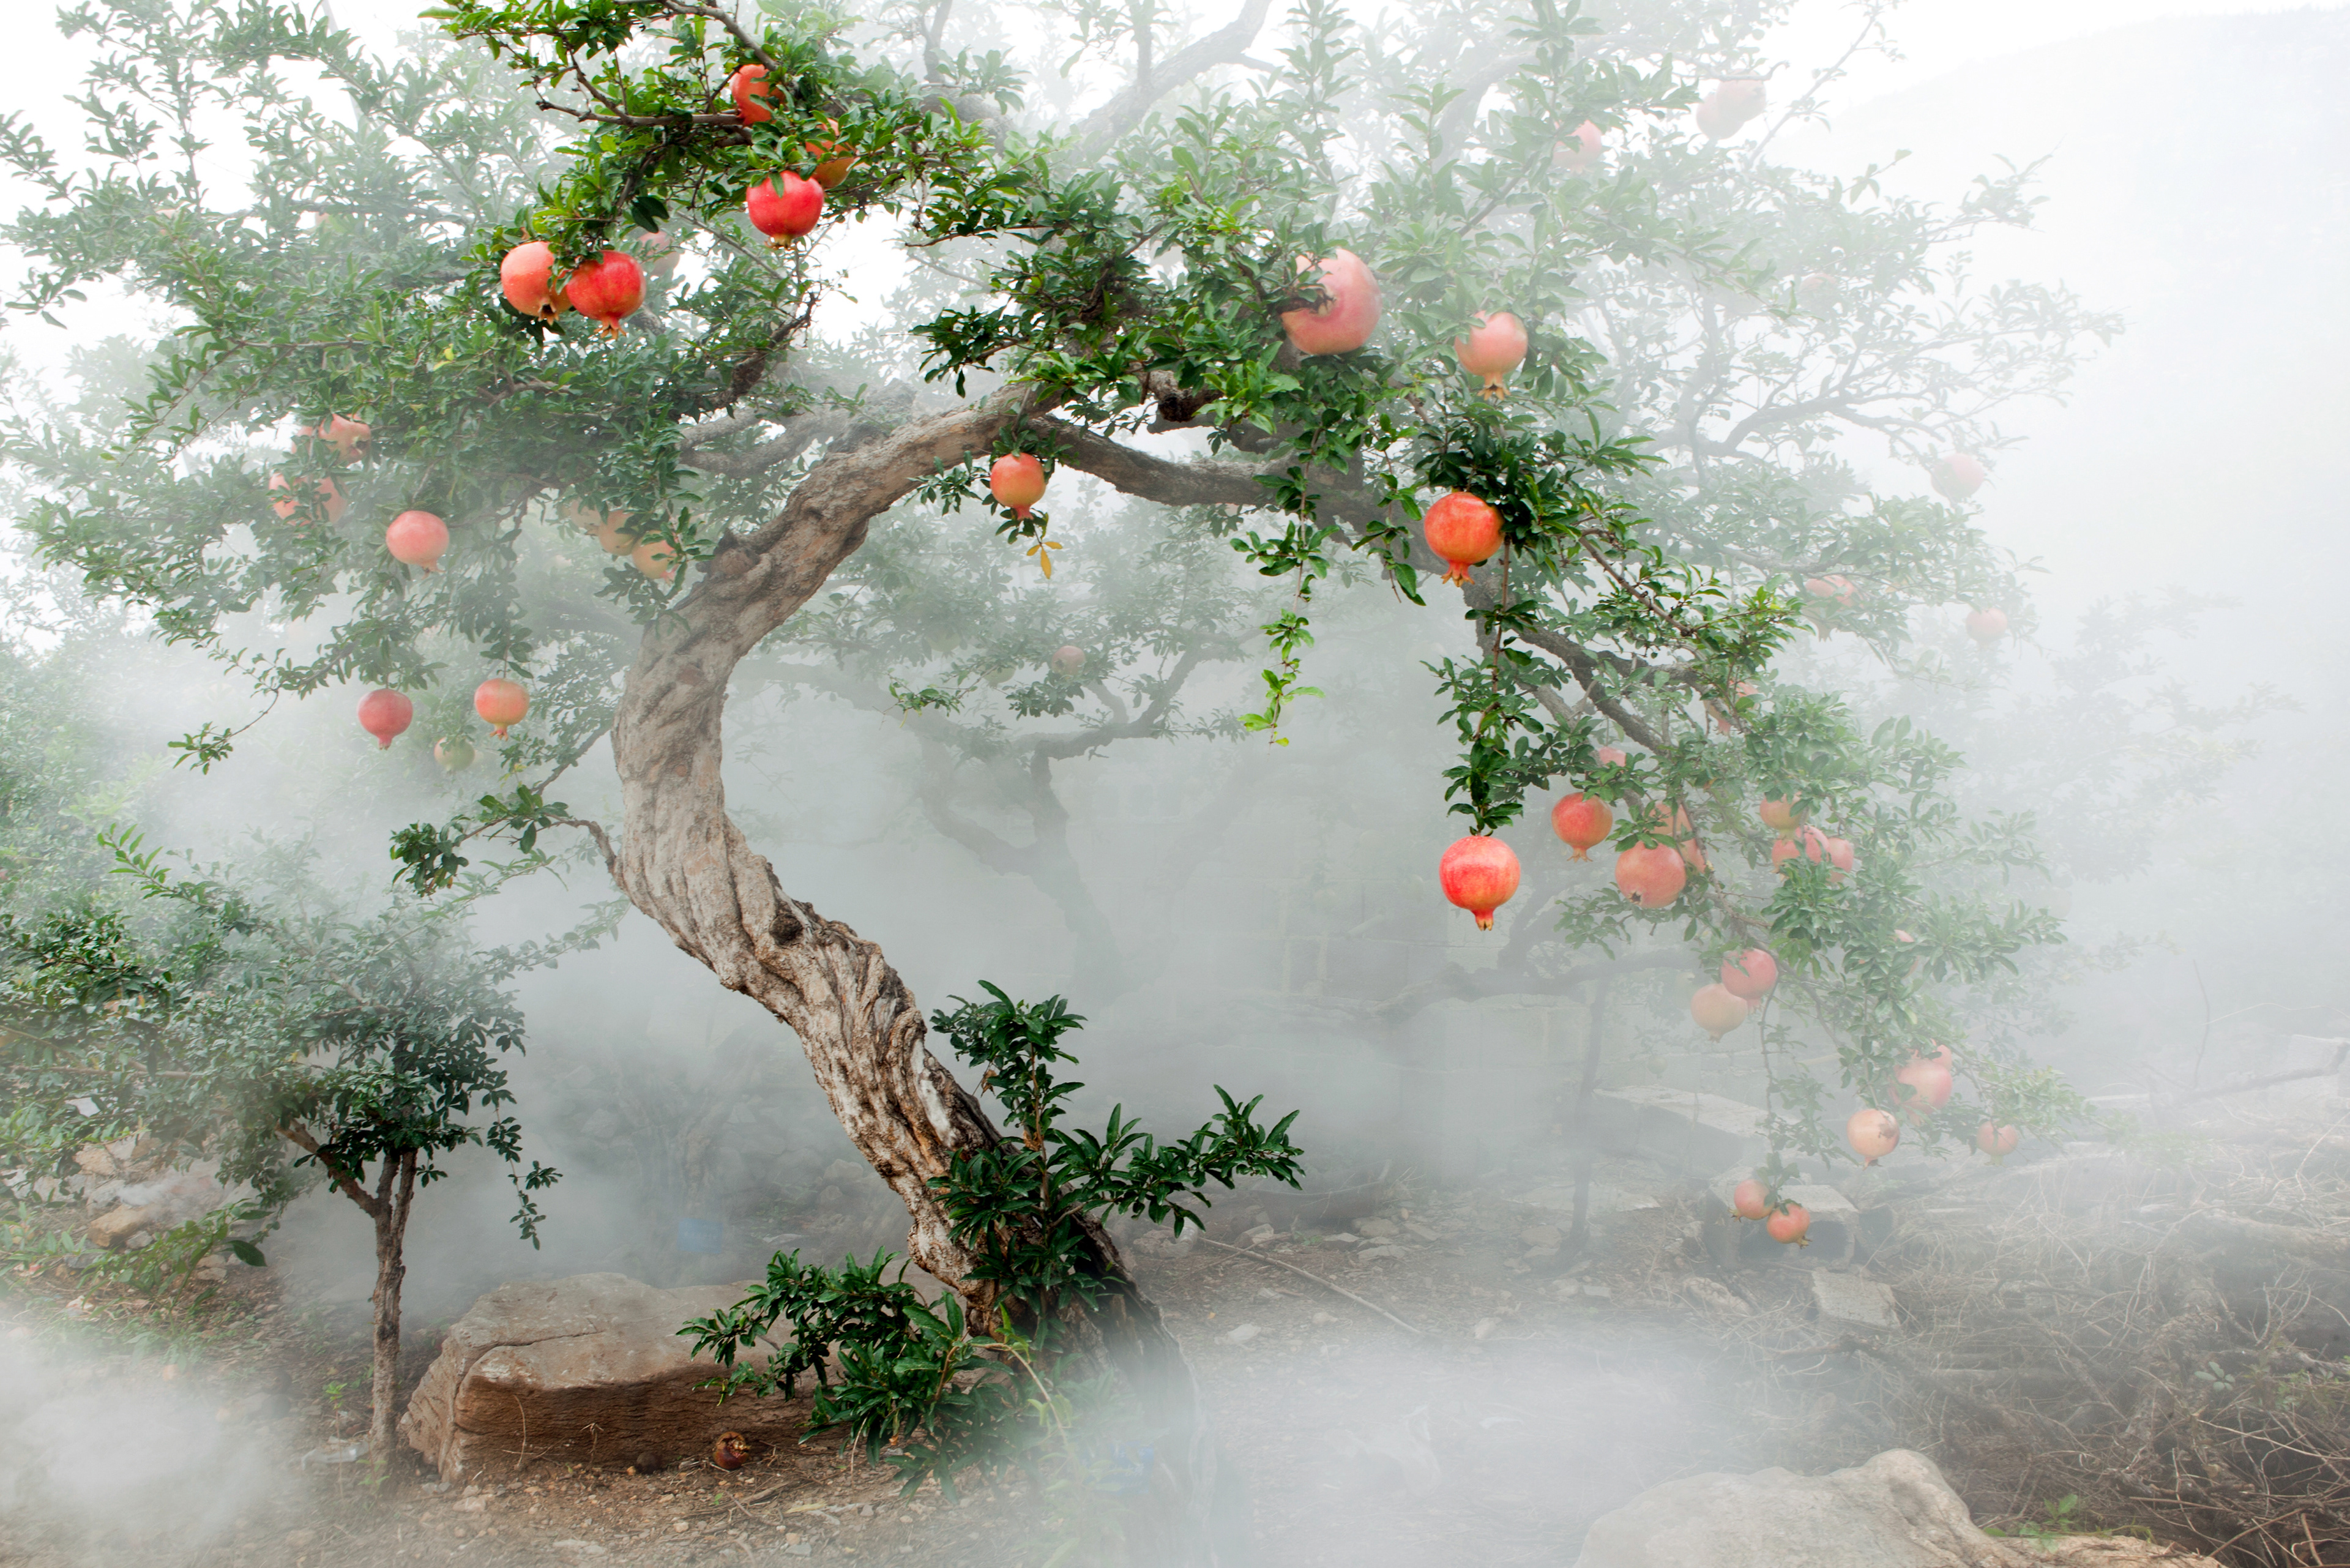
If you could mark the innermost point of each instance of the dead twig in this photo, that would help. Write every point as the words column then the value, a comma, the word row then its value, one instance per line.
column 1335, row 1290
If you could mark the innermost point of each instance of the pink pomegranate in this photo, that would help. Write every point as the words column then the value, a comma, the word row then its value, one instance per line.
column 1925, row 1085
column 1479, row 874
column 1726, row 110
column 1987, row 626
column 1792, row 1223
column 785, row 207
column 1581, row 822
column 659, row 253
column 527, row 278
column 1579, row 152
column 1067, row 659
column 1651, row 874
column 832, row 161
column 750, row 88
column 1779, row 815
column 1463, row 530
column 1751, row 974
column 1842, row 591
column 289, row 502
column 1808, row 842
column 1718, row 1010
column 1840, row 853
column 1997, row 1141
column 349, row 437
column 1494, row 346
column 1957, row 475
column 1750, row 1199
column 1344, row 320
column 1612, row 756
column 384, row 714
column 656, row 559
column 608, row 288
column 417, row 539
column 501, row 703
column 1873, row 1135
column 1017, row 481
column 613, row 534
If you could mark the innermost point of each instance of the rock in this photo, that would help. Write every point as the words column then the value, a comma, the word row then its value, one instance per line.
column 114, row 1229
column 1895, row 1511
column 1852, row 1298
column 297, row 1539
column 1243, row 1334
column 587, row 1369
column 1371, row 1253
column 1683, row 1130
column 1714, row 1296
column 1374, row 1229
column 1259, row 1237
column 1542, row 1237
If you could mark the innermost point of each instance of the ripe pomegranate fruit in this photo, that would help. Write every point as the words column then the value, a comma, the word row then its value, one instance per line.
column 1463, row 530
column 785, row 207
column 349, row 437
column 751, row 89
column 1997, row 1141
column 1067, row 659
column 1873, row 1135
column 660, row 254
column 1791, row 1223
column 1956, row 475
column 1750, row 1199
column 1017, row 481
column 1925, row 1085
column 1724, row 110
column 501, row 702
column 454, row 752
column 289, row 502
column 1479, row 874
column 417, row 539
column 1750, row 974
column 1987, row 626
column 1842, row 591
column 1779, row 815
column 833, row 160
column 730, row 1452
column 613, row 534
column 1808, row 842
column 384, row 714
column 1344, row 320
column 1651, row 874
column 656, row 559
column 1717, row 1009
column 1839, row 851
column 527, row 278
column 1494, row 346
column 1612, row 756
column 1578, row 151
column 1581, row 822
column 608, row 288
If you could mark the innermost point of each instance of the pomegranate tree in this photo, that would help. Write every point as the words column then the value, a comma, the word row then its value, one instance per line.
column 1479, row 874
column 1462, row 531
column 1347, row 314
column 1581, row 822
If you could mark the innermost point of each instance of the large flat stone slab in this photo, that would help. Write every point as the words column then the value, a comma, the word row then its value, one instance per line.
column 1685, row 1129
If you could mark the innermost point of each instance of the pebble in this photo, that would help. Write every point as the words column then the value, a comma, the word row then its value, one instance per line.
column 584, row 1548
column 1323, row 1317
column 1243, row 1334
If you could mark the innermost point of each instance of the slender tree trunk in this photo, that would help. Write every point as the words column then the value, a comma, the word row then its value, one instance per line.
column 1579, row 1236
column 395, row 1190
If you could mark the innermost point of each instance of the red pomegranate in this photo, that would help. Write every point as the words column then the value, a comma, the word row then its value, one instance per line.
column 1581, row 822
column 608, row 288
column 1957, row 475
column 1779, row 815
column 1344, row 320
column 1925, row 1085
column 1791, row 1223
column 785, row 207
column 660, row 253
column 1839, row 852
column 656, row 559
column 349, row 437
column 1987, row 626
column 1651, row 874
column 1612, row 756
column 1750, row 1199
column 1017, row 481
column 1067, row 659
column 1808, row 842
column 1718, row 1010
column 613, row 534
column 1750, row 974
column 1842, row 591
column 417, row 539
column 1997, row 1141
column 751, row 89
column 527, row 278
column 1463, row 530
column 1494, row 346
column 1579, row 150
column 1724, row 110
column 289, row 502
column 384, row 714
column 501, row 702
column 1873, row 1135
column 832, row 161
column 1478, row 872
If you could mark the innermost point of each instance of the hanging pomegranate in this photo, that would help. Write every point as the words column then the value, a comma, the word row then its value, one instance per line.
column 417, row 539
column 1956, row 476
column 501, row 703
column 1840, row 853
column 1751, row 974
column 1346, row 319
column 287, row 503
column 1997, row 1141
column 1842, row 590
column 1925, row 1085
column 659, row 255
column 1873, row 1135
column 656, row 559
column 1808, row 842
column 1779, row 815
column 1612, row 756
column 608, row 288
column 1017, row 481
column 1494, row 346
column 1067, row 659
column 454, row 752
column 832, row 161
column 1651, row 874
column 1750, row 1199
column 1792, row 1223
column 527, row 278
column 1723, row 112
column 613, row 535
column 349, row 437
column 750, row 90
column 1581, row 822
column 1462, row 531
column 1717, row 1009
column 1479, row 874
column 1987, row 626
column 785, row 207
column 384, row 714
column 1578, row 151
